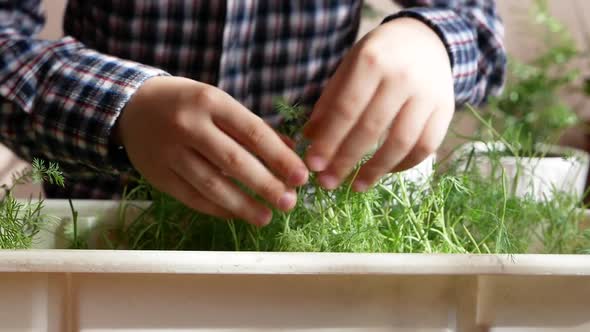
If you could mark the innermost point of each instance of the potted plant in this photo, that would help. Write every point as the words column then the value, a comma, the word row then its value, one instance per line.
column 521, row 127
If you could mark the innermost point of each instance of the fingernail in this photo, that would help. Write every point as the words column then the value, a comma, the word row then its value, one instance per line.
column 328, row 181
column 298, row 177
column 316, row 164
column 360, row 186
column 264, row 217
column 287, row 201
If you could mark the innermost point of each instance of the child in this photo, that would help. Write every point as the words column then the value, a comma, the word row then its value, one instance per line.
column 183, row 86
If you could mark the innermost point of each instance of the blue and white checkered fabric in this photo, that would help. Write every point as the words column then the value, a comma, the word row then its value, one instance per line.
column 61, row 98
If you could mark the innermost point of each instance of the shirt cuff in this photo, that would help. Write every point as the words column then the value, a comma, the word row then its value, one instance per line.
column 458, row 37
column 115, row 153
column 104, row 85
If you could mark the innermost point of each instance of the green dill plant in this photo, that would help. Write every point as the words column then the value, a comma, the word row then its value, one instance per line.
column 452, row 212
column 20, row 220
column 369, row 11
column 531, row 109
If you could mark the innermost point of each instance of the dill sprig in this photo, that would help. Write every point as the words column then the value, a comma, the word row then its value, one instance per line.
column 292, row 122
column 50, row 173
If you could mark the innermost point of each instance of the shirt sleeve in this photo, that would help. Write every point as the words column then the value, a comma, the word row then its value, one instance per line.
column 473, row 35
column 59, row 100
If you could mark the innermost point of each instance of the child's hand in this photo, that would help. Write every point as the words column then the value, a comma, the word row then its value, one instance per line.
column 188, row 139
column 395, row 84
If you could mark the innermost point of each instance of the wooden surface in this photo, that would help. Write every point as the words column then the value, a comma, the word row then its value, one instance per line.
column 521, row 40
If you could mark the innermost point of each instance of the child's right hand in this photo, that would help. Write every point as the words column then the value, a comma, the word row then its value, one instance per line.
column 191, row 139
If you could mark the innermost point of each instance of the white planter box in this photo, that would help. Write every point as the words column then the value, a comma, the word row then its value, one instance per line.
column 421, row 173
column 74, row 290
column 539, row 177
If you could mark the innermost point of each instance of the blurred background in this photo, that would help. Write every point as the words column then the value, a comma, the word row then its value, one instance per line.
column 524, row 42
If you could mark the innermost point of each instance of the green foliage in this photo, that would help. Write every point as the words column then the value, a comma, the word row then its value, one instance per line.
column 292, row 117
column 369, row 11
column 586, row 86
column 78, row 241
column 531, row 109
column 20, row 221
column 459, row 211
column 51, row 173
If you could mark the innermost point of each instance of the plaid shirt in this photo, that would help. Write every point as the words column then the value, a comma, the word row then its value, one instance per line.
column 61, row 98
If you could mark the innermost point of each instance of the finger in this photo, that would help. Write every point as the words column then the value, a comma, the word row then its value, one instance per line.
column 252, row 132
column 365, row 135
column 345, row 97
column 235, row 161
column 192, row 198
column 207, row 179
column 432, row 136
column 288, row 140
column 314, row 120
column 403, row 135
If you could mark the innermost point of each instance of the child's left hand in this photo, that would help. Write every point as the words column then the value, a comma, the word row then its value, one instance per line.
column 395, row 84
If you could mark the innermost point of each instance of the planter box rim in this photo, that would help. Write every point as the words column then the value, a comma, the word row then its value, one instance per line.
column 271, row 263
column 263, row 263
